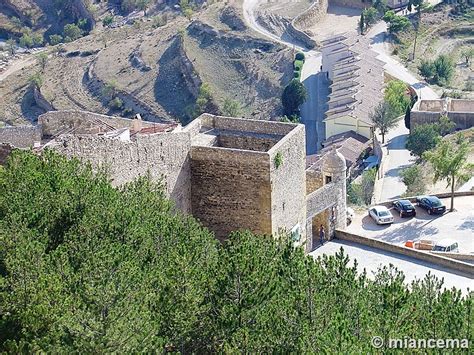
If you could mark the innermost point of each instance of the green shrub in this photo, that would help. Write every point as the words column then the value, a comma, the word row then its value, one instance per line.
column 116, row 103
column 299, row 56
column 278, row 160
column 55, row 39
column 298, row 64
column 297, row 74
column 108, row 19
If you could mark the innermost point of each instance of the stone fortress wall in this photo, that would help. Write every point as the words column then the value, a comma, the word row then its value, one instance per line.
column 20, row 136
column 222, row 170
column 231, row 189
column 288, row 182
column 162, row 156
column 235, row 182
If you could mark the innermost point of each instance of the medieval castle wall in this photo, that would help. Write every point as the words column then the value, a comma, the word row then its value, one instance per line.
column 20, row 136
column 288, row 182
column 231, row 189
column 164, row 157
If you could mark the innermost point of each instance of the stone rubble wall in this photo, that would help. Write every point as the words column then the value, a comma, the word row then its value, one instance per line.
column 20, row 136
column 164, row 157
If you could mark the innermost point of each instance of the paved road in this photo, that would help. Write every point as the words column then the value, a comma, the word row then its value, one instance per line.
column 457, row 225
column 398, row 156
column 311, row 110
column 371, row 259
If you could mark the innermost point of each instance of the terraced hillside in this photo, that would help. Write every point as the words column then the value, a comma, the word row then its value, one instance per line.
column 157, row 70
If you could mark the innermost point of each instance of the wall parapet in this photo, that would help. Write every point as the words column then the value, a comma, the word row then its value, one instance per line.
column 321, row 199
column 455, row 265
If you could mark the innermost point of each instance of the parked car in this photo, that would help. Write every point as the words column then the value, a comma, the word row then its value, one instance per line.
column 431, row 204
column 404, row 208
column 349, row 215
column 447, row 246
column 381, row 215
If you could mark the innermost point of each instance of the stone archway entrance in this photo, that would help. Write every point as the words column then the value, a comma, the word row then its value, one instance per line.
column 326, row 219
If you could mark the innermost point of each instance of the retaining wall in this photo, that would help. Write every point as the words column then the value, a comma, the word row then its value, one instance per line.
column 409, row 252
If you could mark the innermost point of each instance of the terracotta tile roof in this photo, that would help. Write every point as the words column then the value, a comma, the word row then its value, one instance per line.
column 350, row 144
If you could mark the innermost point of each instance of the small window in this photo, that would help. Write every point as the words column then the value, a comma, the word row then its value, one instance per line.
column 328, row 179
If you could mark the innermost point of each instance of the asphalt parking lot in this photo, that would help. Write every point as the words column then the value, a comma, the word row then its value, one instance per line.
column 457, row 225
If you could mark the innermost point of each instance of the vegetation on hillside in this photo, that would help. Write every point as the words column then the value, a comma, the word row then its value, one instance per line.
column 88, row 268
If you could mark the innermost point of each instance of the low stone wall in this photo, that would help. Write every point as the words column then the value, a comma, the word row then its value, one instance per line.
column 412, row 253
column 253, row 126
column 458, row 256
column 83, row 122
column 442, row 195
column 20, row 136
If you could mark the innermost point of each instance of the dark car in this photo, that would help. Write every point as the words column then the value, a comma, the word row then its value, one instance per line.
column 404, row 208
column 432, row 204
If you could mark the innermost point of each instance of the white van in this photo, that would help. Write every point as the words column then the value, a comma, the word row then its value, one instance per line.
column 446, row 245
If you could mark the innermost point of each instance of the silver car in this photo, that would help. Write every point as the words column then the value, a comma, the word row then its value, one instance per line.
column 381, row 215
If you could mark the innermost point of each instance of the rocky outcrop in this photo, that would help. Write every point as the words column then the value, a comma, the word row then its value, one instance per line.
column 231, row 18
column 40, row 100
column 137, row 61
column 193, row 81
column 273, row 23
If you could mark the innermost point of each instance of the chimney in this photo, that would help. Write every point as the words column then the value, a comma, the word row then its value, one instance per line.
column 137, row 123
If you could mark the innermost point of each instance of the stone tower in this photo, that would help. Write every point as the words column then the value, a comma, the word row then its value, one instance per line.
column 334, row 172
